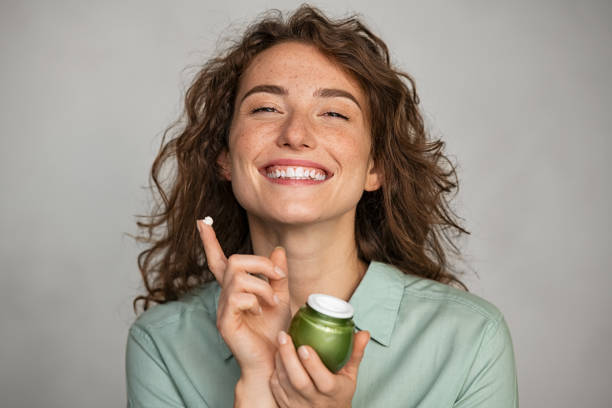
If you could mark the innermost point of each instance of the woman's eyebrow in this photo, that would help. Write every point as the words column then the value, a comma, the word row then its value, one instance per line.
column 273, row 89
column 321, row 92
column 334, row 93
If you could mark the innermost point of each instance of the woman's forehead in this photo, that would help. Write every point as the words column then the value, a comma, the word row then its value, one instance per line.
column 297, row 65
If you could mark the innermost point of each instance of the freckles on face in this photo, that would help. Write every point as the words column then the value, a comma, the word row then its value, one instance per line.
column 294, row 104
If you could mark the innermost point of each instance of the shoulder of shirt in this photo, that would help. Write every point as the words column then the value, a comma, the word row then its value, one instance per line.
column 200, row 302
column 443, row 295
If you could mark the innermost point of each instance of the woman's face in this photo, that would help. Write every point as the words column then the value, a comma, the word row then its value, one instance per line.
column 299, row 142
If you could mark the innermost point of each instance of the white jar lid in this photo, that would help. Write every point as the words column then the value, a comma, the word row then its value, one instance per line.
column 331, row 306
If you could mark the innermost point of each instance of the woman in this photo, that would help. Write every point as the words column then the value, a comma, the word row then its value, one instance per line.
column 307, row 149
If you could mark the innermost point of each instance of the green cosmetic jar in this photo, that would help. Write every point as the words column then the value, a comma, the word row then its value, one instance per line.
column 326, row 324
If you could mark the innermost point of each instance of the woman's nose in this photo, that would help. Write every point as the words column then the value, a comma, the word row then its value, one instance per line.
column 296, row 133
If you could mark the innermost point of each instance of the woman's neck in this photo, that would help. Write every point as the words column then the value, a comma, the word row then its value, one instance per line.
column 321, row 257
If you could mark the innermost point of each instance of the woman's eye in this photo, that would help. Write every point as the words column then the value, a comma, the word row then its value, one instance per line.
column 271, row 109
column 263, row 109
column 336, row 115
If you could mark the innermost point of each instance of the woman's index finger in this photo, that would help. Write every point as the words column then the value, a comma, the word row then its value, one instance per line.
column 214, row 253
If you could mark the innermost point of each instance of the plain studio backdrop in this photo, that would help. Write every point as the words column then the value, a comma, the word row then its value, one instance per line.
column 520, row 91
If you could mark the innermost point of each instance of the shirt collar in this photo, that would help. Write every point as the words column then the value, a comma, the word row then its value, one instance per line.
column 376, row 302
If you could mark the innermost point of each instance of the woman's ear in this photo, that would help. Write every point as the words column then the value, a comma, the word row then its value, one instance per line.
column 224, row 162
column 374, row 177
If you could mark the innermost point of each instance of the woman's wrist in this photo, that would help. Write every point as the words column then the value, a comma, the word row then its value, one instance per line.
column 253, row 390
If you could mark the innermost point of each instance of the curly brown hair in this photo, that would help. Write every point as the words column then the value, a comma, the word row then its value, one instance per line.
column 407, row 223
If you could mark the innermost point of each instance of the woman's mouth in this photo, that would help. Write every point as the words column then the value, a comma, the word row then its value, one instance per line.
column 295, row 174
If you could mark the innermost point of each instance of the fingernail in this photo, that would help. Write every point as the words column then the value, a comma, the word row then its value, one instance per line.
column 198, row 225
column 282, row 337
column 279, row 272
column 303, row 353
column 208, row 220
column 276, row 299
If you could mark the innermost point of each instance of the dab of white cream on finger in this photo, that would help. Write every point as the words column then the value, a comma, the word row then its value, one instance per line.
column 208, row 221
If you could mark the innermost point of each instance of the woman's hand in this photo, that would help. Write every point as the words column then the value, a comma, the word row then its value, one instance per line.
column 251, row 311
column 305, row 382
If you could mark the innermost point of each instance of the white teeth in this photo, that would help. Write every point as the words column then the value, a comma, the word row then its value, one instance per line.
column 297, row 173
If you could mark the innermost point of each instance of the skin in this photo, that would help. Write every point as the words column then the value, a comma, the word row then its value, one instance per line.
column 303, row 235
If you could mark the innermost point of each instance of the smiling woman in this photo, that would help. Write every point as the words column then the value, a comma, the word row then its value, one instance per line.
column 312, row 122
column 307, row 149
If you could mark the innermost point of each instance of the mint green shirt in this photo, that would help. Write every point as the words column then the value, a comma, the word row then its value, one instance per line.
column 431, row 346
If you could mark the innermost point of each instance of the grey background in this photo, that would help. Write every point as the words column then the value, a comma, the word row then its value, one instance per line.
column 519, row 90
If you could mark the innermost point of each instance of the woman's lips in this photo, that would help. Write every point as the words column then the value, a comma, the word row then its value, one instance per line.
column 295, row 172
column 297, row 163
column 294, row 175
column 294, row 182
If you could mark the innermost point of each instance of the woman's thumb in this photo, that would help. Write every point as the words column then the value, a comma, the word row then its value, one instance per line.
column 361, row 341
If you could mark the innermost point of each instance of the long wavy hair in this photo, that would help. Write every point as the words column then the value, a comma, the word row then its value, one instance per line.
column 407, row 223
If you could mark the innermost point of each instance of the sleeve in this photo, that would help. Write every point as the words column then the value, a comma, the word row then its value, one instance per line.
column 148, row 381
column 492, row 380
